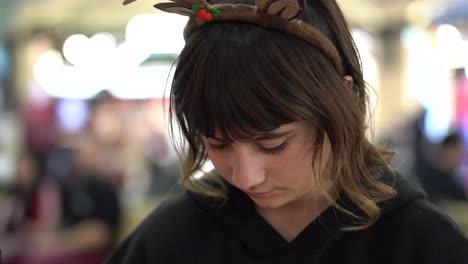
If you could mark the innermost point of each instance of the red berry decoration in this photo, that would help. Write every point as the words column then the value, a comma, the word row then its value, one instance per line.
column 201, row 15
column 204, row 15
column 208, row 16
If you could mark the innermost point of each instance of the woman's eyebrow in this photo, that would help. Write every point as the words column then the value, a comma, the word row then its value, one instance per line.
column 272, row 135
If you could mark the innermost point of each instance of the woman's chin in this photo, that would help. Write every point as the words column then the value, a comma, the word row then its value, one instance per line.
column 268, row 202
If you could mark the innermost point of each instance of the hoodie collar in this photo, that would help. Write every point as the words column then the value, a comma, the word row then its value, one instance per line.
column 239, row 216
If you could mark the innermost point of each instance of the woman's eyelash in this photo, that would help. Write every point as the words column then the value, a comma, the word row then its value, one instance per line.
column 275, row 150
column 216, row 147
column 270, row 151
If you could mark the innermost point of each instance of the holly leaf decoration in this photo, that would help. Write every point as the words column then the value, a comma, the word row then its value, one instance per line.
column 214, row 11
column 196, row 8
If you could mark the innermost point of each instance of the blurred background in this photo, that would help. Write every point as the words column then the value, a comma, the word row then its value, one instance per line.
column 84, row 148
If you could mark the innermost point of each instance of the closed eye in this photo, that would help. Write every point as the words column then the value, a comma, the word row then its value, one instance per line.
column 267, row 150
column 275, row 150
column 217, row 147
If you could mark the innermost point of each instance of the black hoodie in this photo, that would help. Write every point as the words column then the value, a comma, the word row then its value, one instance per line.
column 193, row 229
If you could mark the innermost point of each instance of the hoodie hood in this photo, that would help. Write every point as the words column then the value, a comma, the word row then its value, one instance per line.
column 407, row 191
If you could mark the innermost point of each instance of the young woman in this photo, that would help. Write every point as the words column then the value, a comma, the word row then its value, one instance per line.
column 272, row 93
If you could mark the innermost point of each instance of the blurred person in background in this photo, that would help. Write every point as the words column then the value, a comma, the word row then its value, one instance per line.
column 39, row 124
column 435, row 166
column 89, row 215
column 278, row 105
column 440, row 170
column 33, row 207
column 165, row 170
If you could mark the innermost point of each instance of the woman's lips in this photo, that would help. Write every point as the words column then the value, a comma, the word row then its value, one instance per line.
column 260, row 194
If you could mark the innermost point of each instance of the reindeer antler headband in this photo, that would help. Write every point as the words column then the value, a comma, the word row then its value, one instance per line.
column 276, row 14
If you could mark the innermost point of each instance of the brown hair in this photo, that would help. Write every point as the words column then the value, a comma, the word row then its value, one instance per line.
column 242, row 79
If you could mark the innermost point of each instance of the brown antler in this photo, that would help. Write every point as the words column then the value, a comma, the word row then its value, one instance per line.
column 126, row 2
column 181, row 7
column 190, row 2
column 176, row 8
column 288, row 9
column 262, row 4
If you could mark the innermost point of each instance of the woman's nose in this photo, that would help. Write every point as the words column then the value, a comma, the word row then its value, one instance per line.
column 247, row 169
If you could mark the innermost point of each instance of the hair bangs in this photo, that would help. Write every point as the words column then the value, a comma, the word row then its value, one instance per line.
column 237, row 89
column 238, row 112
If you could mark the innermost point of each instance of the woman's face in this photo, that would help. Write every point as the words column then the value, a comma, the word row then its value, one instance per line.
column 275, row 169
